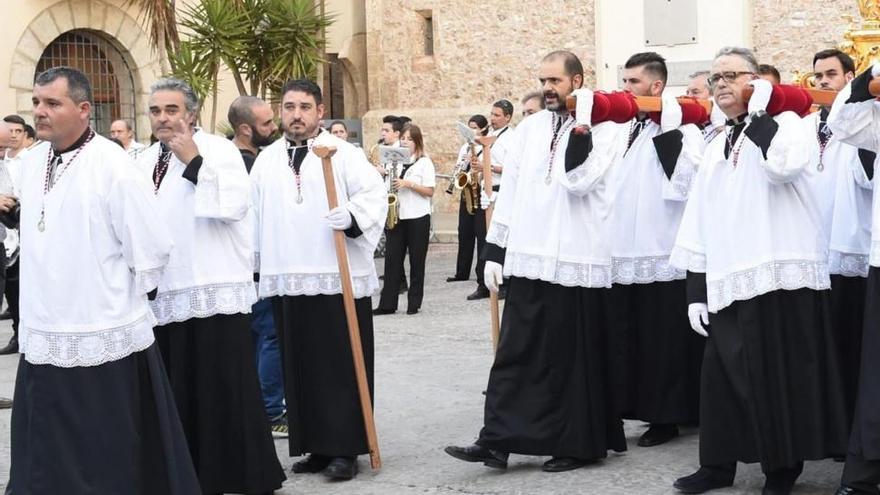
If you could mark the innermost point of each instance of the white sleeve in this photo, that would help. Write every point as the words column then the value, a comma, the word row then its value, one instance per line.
column 256, row 198
column 787, row 156
column 857, row 124
column 606, row 150
column 367, row 198
column 223, row 190
column 678, row 186
column 689, row 252
column 499, row 228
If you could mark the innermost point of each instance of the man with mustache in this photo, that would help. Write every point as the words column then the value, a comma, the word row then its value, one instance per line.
column 205, row 296
column 660, row 358
column 91, row 387
column 771, row 390
column 549, row 390
column 838, row 176
column 296, row 261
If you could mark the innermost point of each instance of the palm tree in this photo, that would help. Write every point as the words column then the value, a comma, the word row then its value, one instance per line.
column 162, row 21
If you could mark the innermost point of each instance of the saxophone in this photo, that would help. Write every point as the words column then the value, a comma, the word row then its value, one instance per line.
column 467, row 183
column 393, row 204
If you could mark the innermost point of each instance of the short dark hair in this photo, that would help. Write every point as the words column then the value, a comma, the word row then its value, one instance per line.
column 769, row 70
column 505, row 106
column 394, row 120
column 403, row 121
column 571, row 62
column 14, row 119
column 241, row 111
column 338, row 122
column 845, row 60
column 481, row 122
column 30, row 131
column 306, row 86
column 652, row 62
column 78, row 87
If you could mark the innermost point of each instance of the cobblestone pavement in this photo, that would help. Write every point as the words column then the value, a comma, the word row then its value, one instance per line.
column 430, row 371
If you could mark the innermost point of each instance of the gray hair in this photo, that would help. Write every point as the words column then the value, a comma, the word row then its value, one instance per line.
column 171, row 84
column 78, row 87
column 534, row 94
column 699, row 73
column 743, row 53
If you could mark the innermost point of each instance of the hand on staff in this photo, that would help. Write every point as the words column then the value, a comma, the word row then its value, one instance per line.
column 486, row 200
column 698, row 313
column 182, row 144
column 761, row 97
column 670, row 117
column 7, row 203
column 339, row 218
column 493, row 275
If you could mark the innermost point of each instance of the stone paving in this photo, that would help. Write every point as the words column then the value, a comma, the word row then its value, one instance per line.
column 430, row 371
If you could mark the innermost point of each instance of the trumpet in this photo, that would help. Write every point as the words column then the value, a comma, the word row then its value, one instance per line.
column 393, row 203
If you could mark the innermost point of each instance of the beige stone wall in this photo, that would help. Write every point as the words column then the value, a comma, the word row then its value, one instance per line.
column 483, row 51
column 787, row 33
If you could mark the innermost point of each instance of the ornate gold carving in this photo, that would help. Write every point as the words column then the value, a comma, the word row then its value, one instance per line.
column 862, row 43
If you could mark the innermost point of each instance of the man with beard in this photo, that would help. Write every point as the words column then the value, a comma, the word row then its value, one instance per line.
column 660, row 358
column 254, row 123
column 205, row 296
column 549, row 389
column 296, row 261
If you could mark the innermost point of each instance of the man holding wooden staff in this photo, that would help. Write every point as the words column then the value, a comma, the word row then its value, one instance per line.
column 296, row 261
column 549, row 390
column 771, row 390
column 856, row 120
column 660, row 357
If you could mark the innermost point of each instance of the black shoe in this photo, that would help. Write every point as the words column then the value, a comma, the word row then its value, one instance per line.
column 11, row 347
column 342, row 468
column 6, row 315
column 845, row 490
column 311, row 464
column 480, row 293
column 5, row 403
column 702, row 481
column 657, row 435
column 476, row 453
column 412, row 311
column 560, row 464
column 781, row 481
column 456, row 279
column 380, row 311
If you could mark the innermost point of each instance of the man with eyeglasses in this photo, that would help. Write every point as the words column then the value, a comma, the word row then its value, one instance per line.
column 771, row 390
column 855, row 120
column 660, row 358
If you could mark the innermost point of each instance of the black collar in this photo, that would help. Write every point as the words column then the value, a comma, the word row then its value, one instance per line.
column 79, row 142
column 736, row 121
column 294, row 144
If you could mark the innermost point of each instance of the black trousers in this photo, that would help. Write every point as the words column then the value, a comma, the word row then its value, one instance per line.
column 409, row 235
column 471, row 230
column 12, row 295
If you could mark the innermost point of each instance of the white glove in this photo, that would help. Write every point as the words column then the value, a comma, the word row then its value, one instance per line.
column 670, row 117
column 875, row 70
column 486, row 200
column 761, row 97
column 698, row 313
column 717, row 117
column 584, row 109
column 339, row 218
column 493, row 274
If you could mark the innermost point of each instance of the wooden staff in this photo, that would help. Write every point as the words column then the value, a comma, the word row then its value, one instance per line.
column 494, row 311
column 354, row 332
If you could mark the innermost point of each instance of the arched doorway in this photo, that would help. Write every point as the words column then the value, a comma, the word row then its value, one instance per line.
column 108, row 72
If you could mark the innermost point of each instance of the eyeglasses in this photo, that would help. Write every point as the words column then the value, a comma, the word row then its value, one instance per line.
column 729, row 77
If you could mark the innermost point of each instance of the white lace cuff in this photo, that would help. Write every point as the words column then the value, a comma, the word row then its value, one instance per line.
column 313, row 284
column 147, row 280
column 685, row 259
column 550, row 269
column 847, row 264
column 74, row 349
column 785, row 275
column 498, row 233
column 204, row 301
column 644, row 270
column 875, row 254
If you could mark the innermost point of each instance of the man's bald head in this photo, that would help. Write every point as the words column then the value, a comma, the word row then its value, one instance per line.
column 252, row 120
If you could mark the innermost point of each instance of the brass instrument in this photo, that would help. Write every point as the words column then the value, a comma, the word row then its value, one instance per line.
column 468, row 183
column 373, row 155
column 393, row 204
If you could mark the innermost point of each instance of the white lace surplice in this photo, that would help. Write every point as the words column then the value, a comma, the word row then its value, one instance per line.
column 556, row 232
column 752, row 228
column 294, row 242
column 211, row 225
column 84, row 279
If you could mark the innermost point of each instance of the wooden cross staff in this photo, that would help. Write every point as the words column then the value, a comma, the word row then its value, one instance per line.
column 494, row 311
column 354, row 333
column 654, row 104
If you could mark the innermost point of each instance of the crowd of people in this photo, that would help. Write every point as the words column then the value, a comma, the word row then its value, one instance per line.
column 181, row 302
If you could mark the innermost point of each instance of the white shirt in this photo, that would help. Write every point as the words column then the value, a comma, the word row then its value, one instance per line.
column 211, row 267
column 500, row 150
column 556, row 232
column 751, row 228
column 413, row 204
column 842, row 193
column 84, row 279
column 294, row 243
column 135, row 149
column 648, row 205
column 858, row 124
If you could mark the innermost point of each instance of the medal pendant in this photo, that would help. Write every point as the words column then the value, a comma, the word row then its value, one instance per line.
column 41, row 225
column 299, row 199
column 547, row 179
column 820, row 167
